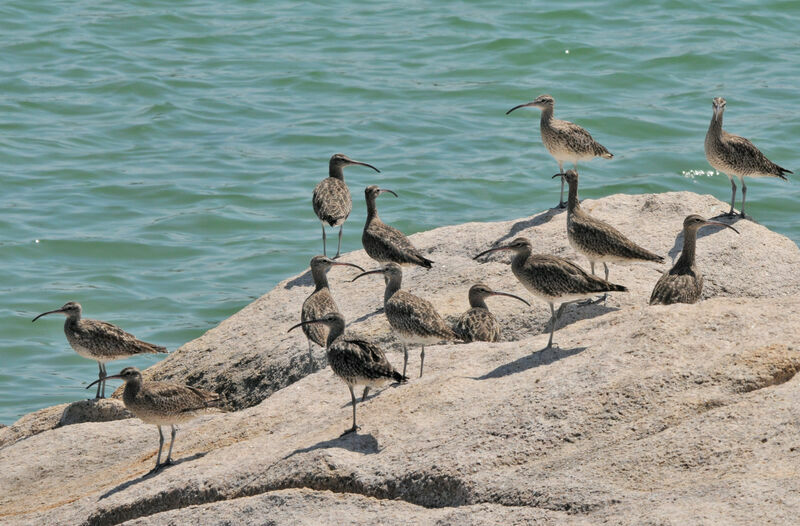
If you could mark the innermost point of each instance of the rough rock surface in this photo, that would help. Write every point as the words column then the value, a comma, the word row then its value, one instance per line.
column 644, row 415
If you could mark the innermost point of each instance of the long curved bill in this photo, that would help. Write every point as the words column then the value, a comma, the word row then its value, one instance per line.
column 299, row 325
column 492, row 250
column 496, row 293
column 342, row 263
column 376, row 271
column 364, row 164
column 520, row 106
column 708, row 222
column 558, row 175
column 46, row 313
column 383, row 190
column 112, row 377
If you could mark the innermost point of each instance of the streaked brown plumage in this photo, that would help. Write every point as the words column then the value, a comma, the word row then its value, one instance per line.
column 319, row 302
column 551, row 278
column 596, row 239
column 566, row 142
column 413, row 319
column 100, row 341
column 478, row 324
column 163, row 403
column 384, row 243
column 355, row 360
column 683, row 283
column 736, row 156
column 331, row 199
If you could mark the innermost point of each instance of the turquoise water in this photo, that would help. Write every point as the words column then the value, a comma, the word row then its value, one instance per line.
column 164, row 156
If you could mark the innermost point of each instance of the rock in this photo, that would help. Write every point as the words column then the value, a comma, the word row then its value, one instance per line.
column 644, row 415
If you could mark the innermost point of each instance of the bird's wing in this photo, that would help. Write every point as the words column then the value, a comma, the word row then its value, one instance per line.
column 599, row 237
column 413, row 314
column 331, row 200
column 744, row 156
column 96, row 331
column 389, row 244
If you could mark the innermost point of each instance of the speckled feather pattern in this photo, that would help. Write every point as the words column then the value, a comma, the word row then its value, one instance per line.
column 412, row 315
column 331, row 200
column 477, row 325
column 360, row 362
column 103, row 341
column 384, row 244
column 163, row 403
column 681, row 284
column 599, row 241
column 737, row 156
column 569, row 142
column 317, row 304
column 555, row 279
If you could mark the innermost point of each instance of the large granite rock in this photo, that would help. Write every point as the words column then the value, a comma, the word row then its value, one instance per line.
column 683, row 414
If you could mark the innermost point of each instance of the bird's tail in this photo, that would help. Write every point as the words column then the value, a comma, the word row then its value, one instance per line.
column 154, row 349
column 399, row 378
column 425, row 262
column 612, row 287
column 782, row 171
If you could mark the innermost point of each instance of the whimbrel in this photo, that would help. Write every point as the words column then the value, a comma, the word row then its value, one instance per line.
column 595, row 239
column 354, row 360
column 319, row 302
column 736, row 156
column 413, row 319
column 551, row 278
column 683, row 283
column 331, row 199
column 478, row 324
column 384, row 243
column 566, row 142
column 100, row 341
column 163, row 403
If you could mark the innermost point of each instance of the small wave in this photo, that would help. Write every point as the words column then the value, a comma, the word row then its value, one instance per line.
column 691, row 174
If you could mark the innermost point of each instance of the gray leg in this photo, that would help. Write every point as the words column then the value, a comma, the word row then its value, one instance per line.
column 101, row 375
column 591, row 265
column 421, row 360
column 310, row 356
column 324, row 240
column 561, row 203
column 744, row 194
column 405, row 358
column 733, row 196
column 605, row 266
column 105, row 373
column 339, row 248
column 364, row 397
column 171, row 442
column 552, row 325
column 353, row 397
column 160, row 446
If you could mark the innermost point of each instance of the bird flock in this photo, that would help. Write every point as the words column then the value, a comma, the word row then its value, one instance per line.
column 414, row 320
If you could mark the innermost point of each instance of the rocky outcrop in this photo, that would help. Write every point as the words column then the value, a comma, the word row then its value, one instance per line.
column 644, row 415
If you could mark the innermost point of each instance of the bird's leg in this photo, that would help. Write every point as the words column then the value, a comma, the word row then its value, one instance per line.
column 744, row 195
column 733, row 197
column 405, row 358
column 324, row 240
column 364, row 396
column 605, row 296
column 591, row 265
column 168, row 462
column 421, row 360
column 339, row 247
column 561, row 203
column 588, row 301
column 310, row 356
column 105, row 373
column 355, row 427
column 160, row 445
column 553, row 316
column 100, row 376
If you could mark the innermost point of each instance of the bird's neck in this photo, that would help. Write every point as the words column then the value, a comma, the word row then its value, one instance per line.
column 715, row 127
column 320, row 278
column 520, row 257
column 547, row 117
column 335, row 171
column 573, row 205
column 132, row 388
column 478, row 302
column 334, row 331
column 689, row 243
column 392, row 286
column 372, row 210
column 72, row 321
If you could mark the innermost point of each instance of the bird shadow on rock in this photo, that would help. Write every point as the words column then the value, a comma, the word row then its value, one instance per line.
column 367, row 316
column 545, row 356
column 303, row 280
column 355, row 442
column 537, row 220
column 677, row 246
column 149, row 475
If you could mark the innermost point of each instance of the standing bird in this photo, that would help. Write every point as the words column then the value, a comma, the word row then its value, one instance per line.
column 100, row 341
column 566, row 142
column 478, row 324
column 384, row 243
column 683, row 283
column 413, row 319
column 551, row 278
column 595, row 239
column 734, row 155
column 331, row 200
column 163, row 403
column 319, row 302
column 354, row 360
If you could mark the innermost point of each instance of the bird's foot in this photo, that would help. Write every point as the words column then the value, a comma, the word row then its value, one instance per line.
column 562, row 204
column 337, row 256
column 351, row 430
column 729, row 213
